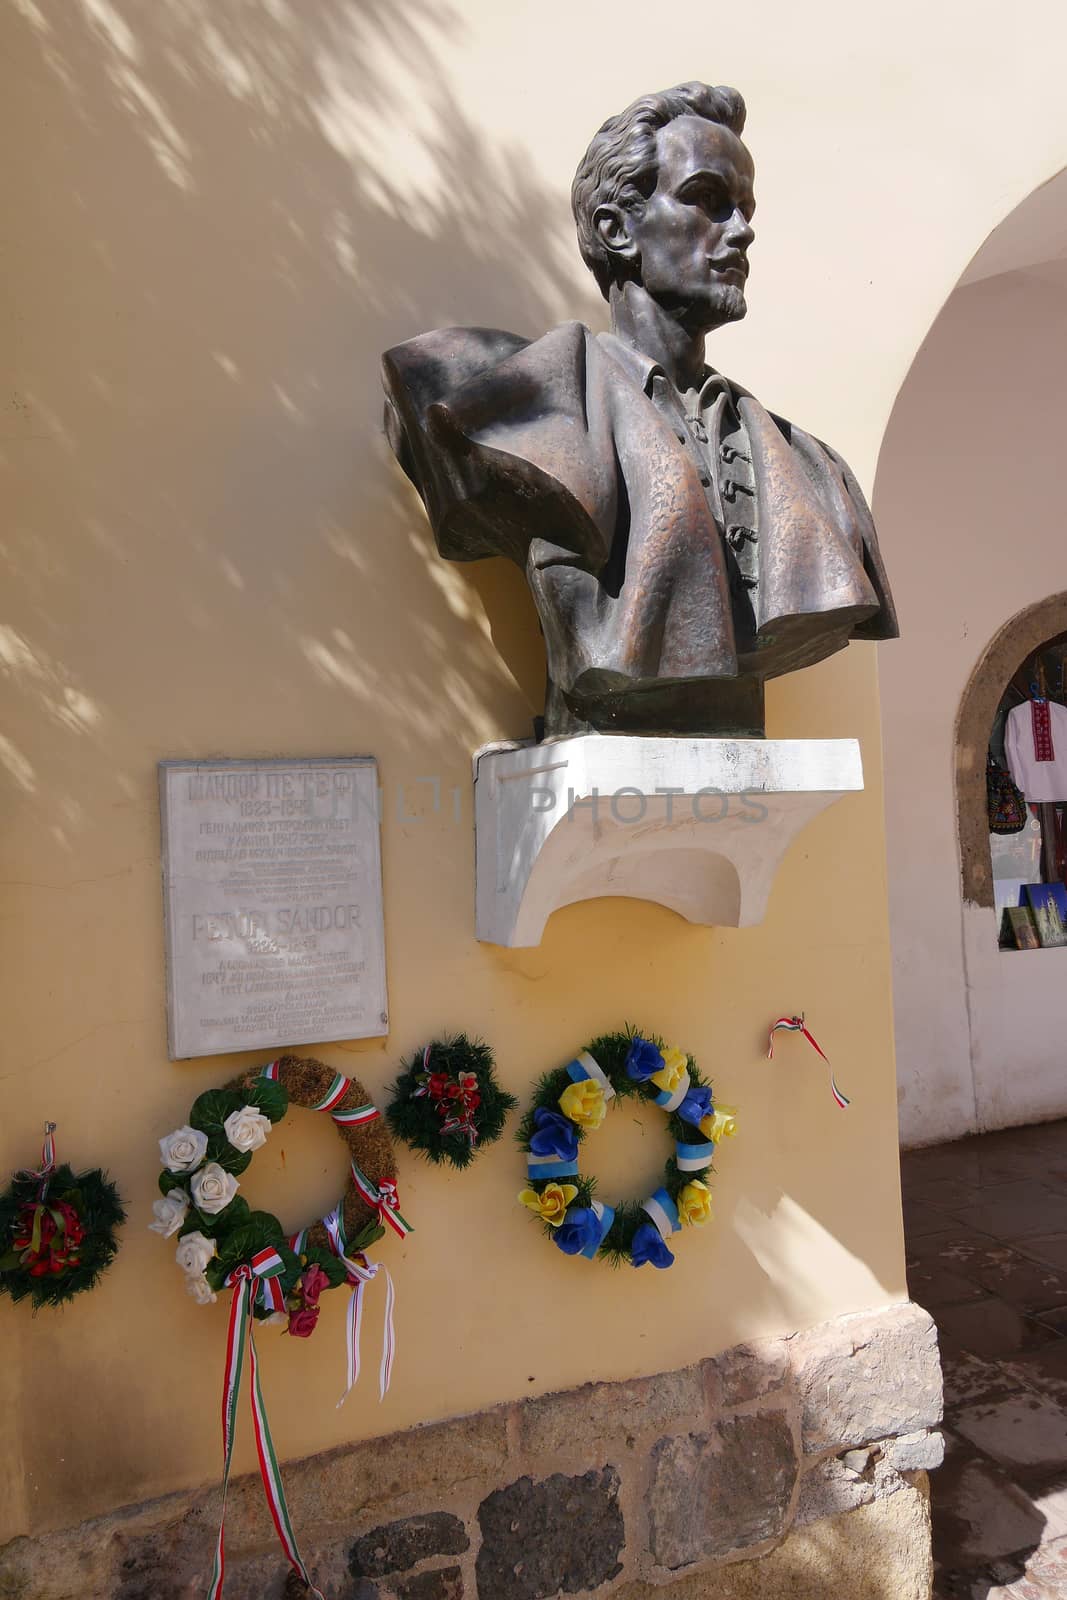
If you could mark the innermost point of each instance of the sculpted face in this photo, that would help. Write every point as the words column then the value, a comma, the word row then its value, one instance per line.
column 692, row 234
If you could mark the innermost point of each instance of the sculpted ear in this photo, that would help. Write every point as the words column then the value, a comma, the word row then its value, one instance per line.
column 612, row 224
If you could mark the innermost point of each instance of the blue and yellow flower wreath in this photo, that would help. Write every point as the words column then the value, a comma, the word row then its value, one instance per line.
column 573, row 1101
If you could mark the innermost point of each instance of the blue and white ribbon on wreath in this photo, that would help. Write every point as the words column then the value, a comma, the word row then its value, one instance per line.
column 671, row 1099
column 584, row 1066
column 694, row 1157
column 552, row 1167
column 605, row 1216
column 664, row 1213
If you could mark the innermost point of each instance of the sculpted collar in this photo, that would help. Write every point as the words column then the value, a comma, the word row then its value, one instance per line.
column 644, row 370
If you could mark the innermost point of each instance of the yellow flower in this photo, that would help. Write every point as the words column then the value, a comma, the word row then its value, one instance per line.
column 584, row 1103
column 694, row 1204
column 722, row 1124
column 674, row 1068
column 551, row 1204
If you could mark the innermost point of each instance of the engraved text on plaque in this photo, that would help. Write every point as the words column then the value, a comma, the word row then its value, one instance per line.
column 273, row 899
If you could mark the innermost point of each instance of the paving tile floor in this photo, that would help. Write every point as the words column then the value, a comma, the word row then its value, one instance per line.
column 985, row 1221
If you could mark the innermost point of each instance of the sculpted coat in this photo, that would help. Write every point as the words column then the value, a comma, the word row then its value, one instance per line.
column 556, row 454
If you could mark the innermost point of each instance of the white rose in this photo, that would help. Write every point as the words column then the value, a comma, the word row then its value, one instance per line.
column 183, row 1149
column 247, row 1129
column 213, row 1189
column 277, row 1319
column 193, row 1254
column 169, row 1213
column 201, row 1290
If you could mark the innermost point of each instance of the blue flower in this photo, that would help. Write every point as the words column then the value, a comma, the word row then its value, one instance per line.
column 696, row 1105
column 556, row 1135
column 642, row 1060
column 579, row 1231
column 649, row 1246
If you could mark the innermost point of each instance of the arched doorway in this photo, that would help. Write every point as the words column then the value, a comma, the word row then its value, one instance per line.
column 970, row 487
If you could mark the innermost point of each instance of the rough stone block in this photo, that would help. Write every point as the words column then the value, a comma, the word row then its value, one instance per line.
column 430, row 1462
column 715, row 1492
column 746, row 1372
column 916, row 1452
column 397, row 1546
column 445, row 1584
column 880, row 1552
column 586, row 1418
column 561, row 1535
column 867, row 1377
column 831, row 1487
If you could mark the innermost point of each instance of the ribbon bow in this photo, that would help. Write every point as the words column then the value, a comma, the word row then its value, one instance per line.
column 459, row 1108
column 796, row 1025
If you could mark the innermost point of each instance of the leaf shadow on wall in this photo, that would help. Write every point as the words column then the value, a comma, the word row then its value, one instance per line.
column 231, row 212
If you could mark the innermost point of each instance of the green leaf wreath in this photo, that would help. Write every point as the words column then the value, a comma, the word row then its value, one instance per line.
column 447, row 1102
column 57, row 1232
column 572, row 1101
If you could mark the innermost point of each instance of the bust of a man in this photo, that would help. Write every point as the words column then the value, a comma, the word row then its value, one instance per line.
column 682, row 544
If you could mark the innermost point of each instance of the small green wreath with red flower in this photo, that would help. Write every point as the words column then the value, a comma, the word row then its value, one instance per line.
column 57, row 1230
column 447, row 1102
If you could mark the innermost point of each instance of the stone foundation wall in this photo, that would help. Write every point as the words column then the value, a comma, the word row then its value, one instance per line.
column 791, row 1467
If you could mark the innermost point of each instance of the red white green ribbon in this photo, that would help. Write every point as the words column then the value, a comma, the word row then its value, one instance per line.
column 384, row 1200
column 334, row 1094
column 356, row 1117
column 48, row 1160
column 239, row 1335
column 796, row 1025
column 361, row 1271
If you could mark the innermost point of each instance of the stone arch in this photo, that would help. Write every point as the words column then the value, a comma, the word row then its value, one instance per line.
column 1003, row 656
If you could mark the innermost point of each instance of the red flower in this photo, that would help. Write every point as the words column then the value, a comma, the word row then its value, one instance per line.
column 438, row 1084
column 58, row 1241
column 302, row 1322
column 313, row 1282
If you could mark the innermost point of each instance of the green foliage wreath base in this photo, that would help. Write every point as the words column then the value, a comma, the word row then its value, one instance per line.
column 609, row 1051
column 96, row 1200
column 415, row 1119
column 238, row 1231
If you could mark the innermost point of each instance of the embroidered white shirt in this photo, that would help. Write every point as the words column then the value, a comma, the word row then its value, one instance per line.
column 1038, row 780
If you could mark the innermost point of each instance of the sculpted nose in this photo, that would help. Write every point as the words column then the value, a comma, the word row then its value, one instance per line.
column 739, row 231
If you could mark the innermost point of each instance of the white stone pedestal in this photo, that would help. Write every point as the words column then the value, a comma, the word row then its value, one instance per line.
column 699, row 825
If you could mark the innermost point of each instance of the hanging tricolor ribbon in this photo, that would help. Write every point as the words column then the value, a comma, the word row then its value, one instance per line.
column 358, row 1269
column 240, row 1335
column 796, row 1025
column 361, row 1271
column 41, row 1174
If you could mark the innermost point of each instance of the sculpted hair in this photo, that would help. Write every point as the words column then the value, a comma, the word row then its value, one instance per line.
column 619, row 167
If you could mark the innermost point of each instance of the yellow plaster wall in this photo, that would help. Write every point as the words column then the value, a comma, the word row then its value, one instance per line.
column 221, row 213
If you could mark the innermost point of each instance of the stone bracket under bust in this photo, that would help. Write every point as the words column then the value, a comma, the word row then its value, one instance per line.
column 682, row 544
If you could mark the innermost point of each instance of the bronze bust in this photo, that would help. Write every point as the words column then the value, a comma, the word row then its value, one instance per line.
column 682, row 543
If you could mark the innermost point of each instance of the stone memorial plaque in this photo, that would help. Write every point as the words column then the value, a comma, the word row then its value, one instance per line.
column 272, row 886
